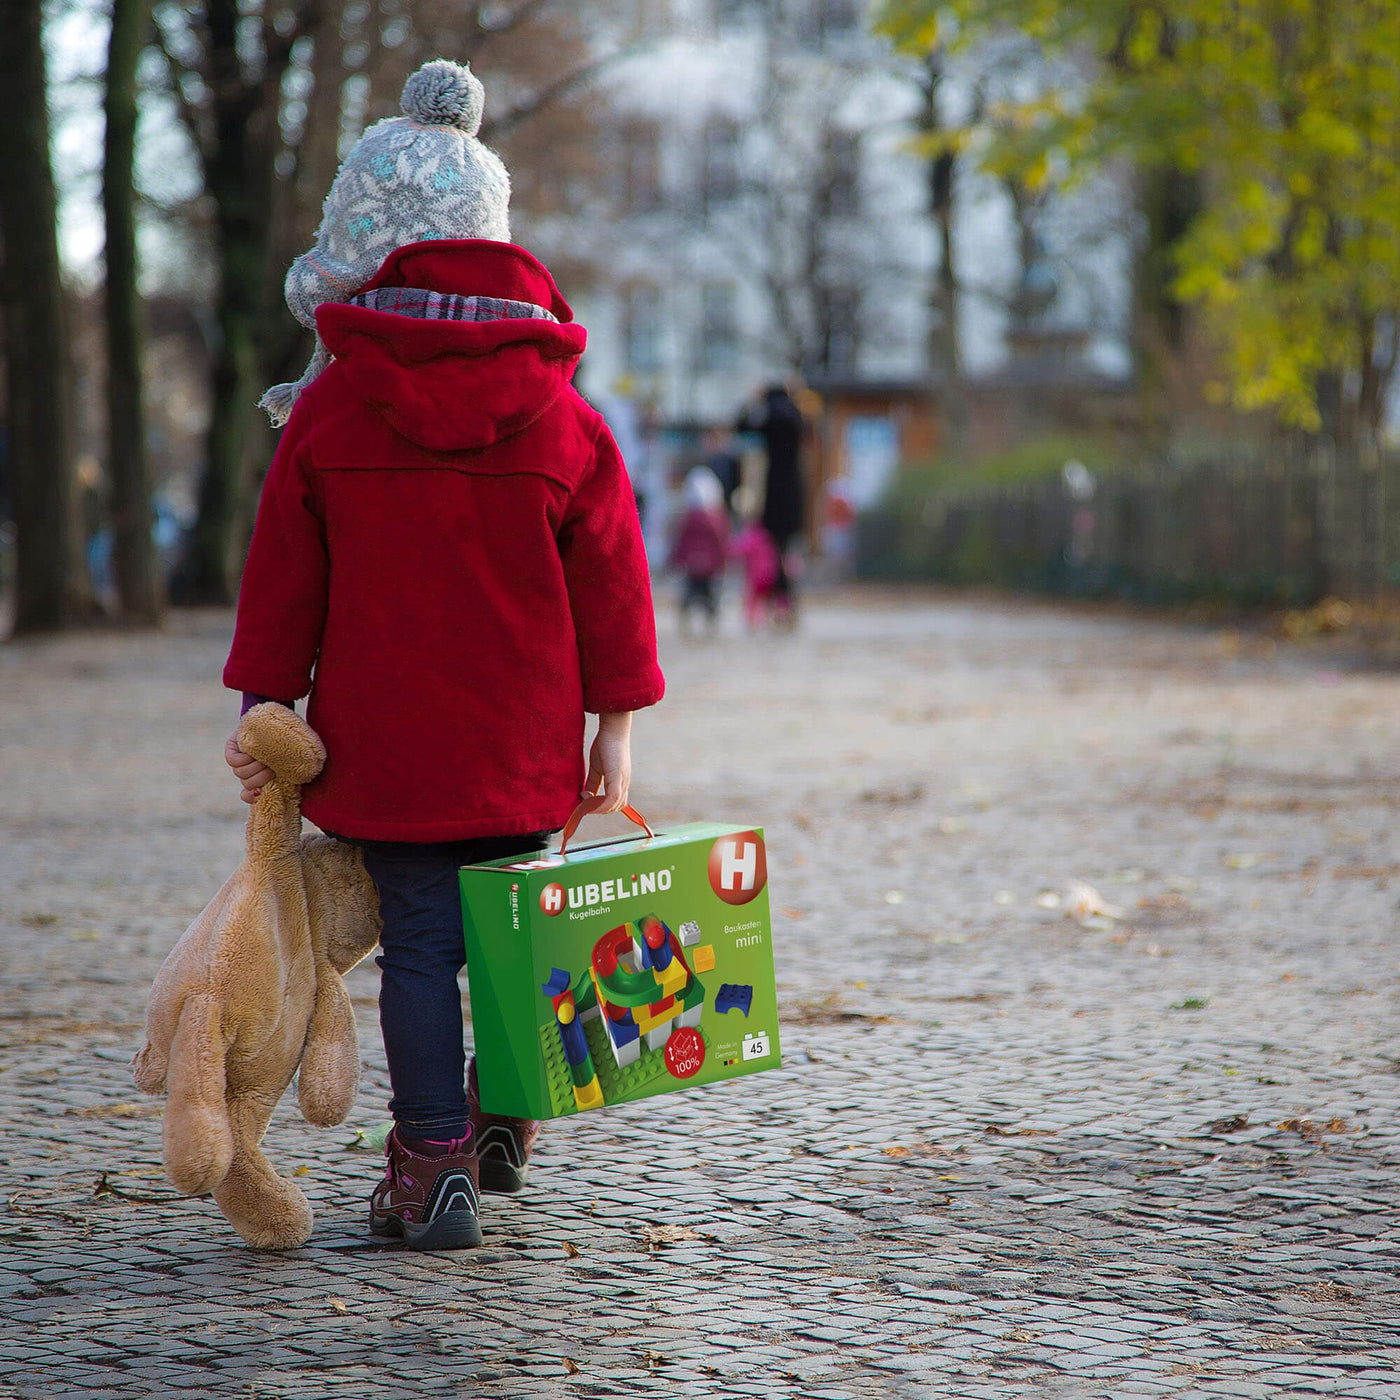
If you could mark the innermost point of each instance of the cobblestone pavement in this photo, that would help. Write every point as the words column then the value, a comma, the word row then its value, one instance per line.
column 1009, row 1154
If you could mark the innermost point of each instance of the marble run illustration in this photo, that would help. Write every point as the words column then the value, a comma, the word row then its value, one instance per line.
column 638, row 988
column 587, row 1093
column 734, row 996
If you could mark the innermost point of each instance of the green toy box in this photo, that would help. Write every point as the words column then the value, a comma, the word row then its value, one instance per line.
column 621, row 969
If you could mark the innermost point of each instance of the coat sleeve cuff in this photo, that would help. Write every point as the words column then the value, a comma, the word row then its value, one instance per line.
column 600, row 701
column 286, row 690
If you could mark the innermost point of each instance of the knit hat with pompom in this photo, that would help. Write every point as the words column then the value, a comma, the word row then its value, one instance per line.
column 420, row 176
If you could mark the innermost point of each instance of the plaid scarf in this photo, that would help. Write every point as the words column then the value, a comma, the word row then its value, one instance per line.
column 445, row 306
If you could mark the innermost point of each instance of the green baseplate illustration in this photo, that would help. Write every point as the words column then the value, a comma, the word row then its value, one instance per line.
column 630, row 1081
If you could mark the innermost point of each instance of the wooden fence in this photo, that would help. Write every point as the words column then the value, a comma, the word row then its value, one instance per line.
column 1289, row 531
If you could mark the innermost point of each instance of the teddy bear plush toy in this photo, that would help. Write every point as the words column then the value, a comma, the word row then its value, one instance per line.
column 252, row 994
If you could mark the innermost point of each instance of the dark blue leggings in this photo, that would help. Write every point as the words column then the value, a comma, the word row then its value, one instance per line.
column 422, row 952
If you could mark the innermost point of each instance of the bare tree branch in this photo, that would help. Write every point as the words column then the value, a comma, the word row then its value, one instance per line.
column 548, row 95
column 192, row 117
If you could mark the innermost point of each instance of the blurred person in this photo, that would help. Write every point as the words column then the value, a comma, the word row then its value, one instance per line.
column 757, row 552
column 777, row 419
column 723, row 461
column 839, row 527
column 448, row 537
column 698, row 551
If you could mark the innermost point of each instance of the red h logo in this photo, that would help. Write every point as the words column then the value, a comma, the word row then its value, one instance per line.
column 738, row 867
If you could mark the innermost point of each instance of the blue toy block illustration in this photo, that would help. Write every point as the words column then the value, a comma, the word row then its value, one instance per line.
column 733, row 996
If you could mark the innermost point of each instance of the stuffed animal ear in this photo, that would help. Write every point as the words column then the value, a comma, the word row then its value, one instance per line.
column 280, row 738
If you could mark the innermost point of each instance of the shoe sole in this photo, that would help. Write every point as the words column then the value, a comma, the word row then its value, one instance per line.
column 498, row 1176
column 454, row 1229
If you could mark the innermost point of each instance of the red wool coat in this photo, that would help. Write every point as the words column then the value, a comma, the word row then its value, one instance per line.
column 447, row 541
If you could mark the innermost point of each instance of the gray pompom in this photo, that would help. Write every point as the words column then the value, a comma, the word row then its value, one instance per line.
column 443, row 93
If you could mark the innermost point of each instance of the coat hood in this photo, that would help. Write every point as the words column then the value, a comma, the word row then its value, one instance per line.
column 455, row 385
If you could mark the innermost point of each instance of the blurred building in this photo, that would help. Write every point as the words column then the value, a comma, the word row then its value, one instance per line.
column 757, row 211
column 760, row 214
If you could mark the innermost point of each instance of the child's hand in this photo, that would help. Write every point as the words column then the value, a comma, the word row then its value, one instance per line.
column 249, row 771
column 610, row 761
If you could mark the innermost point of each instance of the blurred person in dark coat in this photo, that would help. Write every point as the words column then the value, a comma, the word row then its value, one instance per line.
column 778, row 421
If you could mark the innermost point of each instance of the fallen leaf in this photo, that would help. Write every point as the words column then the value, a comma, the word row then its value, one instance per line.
column 1163, row 908
column 371, row 1139
column 894, row 896
column 1189, row 1004
column 103, row 1187
column 571, row 1251
column 1019, row 1334
column 571, row 1367
column 38, row 920
column 119, row 1110
column 1084, row 902
column 1245, row 860
column 657, row 1235
column 336, row 1304
column 1003, row 897
column 1236, row 1123
column 789, row 913
column 301, row 1171
column 997, row 1130
column 1329, row 1292
column 1047, row 899
column 894, row 796
column 1313, row 1132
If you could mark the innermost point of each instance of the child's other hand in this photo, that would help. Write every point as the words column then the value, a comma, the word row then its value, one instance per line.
column 610, row 761
column 249, row 771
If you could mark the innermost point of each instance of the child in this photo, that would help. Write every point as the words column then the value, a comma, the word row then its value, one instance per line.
column 699, row 548
column 447, row 535
column 755, row 549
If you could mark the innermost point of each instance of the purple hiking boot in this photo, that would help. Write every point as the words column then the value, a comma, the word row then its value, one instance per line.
column 433, row 1202
column 503, row 1145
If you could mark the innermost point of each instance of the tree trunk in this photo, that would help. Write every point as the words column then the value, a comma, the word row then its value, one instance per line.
column 133, row 552
column 239, row 171
column 235, row 387
column 1171, row 200
column 49, row 594
column 945, row 359
column 285, row 345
